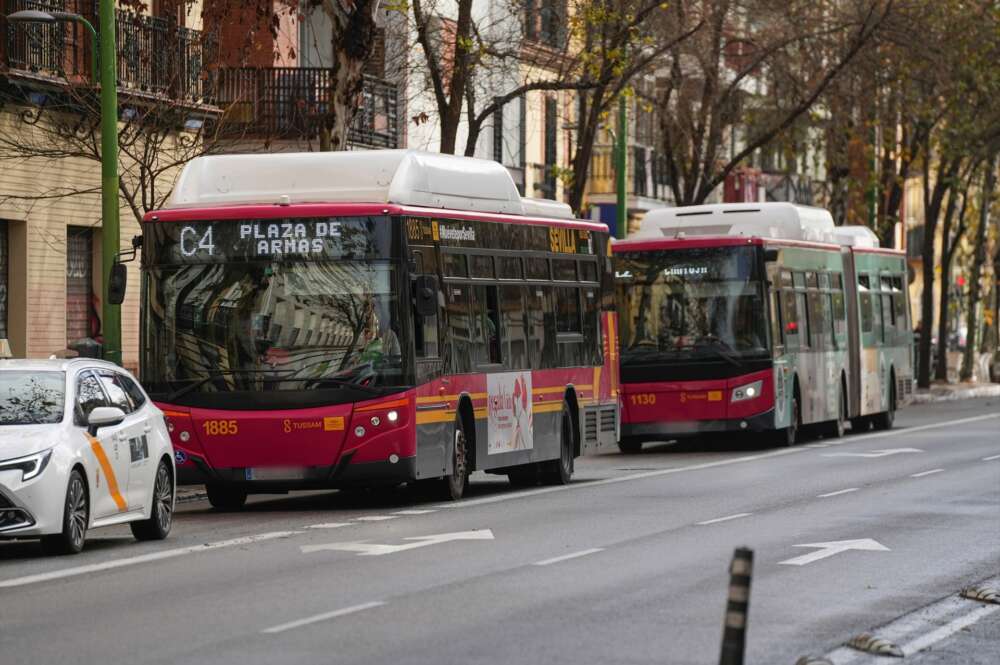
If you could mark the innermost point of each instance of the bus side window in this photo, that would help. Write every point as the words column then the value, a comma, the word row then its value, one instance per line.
column 803, row 321
column 459, row 327
column 486, row 325
column 876, row 304
column 865, row 305
column 515, row 340
column 425, row 333
column 777, row 320
column 817, row 322
column 591, row 326
column 569, row 328
column 541, row 327
column 888, row 319
column 790, row 316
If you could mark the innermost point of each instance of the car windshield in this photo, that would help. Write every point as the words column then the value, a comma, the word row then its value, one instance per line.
column 690, row 303
column 32, row 398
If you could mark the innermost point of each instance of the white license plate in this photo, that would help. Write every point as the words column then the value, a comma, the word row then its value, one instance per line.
column 275, row 473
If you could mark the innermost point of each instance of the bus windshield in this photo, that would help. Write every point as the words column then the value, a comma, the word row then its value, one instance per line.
column 691, row 304
column 321, row 323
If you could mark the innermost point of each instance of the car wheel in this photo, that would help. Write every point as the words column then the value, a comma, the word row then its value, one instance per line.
column 76, row 517
column 223, row 497
column 630, row 446
column 161, row 515
column 453, row 486
column 560, row 471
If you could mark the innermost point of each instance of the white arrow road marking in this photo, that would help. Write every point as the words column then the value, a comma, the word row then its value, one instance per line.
column 834, row 547
column 876, row 453
column 364, row 548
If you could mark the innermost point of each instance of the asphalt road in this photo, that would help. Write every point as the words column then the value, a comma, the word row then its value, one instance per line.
column 628, row 564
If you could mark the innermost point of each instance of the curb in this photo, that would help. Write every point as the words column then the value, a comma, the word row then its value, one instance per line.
column 966, row 393
column 190, row 495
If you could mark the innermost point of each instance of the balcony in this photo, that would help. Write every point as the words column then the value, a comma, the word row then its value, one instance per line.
column 289, row 103
column 155, row 57
column 647, row 174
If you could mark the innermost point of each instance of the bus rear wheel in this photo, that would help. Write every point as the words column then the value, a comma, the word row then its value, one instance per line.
column 560, row 471
column 835, row 428
column 887, row 418
column 225, row 498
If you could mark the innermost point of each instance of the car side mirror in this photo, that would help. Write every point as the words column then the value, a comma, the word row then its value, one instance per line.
column 104, row 416
column 425, row 295
column 117, row 282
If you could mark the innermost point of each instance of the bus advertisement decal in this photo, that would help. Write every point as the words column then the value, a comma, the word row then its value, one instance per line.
column 509, row 412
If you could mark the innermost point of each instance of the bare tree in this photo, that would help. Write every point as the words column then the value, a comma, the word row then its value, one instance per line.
column 756, row 68
column 978, row 263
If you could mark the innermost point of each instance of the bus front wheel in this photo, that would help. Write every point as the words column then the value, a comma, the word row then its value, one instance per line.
column 453, row 485
column 787, row 436
column 225, row 498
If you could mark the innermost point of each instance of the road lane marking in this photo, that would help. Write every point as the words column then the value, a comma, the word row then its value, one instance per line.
column 329, row 525
column 925, row 473
column 834, row 547
column 322, row 617
column 413, row 512
column 510, row 496
column 948, row 629
column 724, row 519
column 375, row 518
column 567, row 557
column 837, row 493
column 991, row 458
column 817, row 445
column 144, row 558
column 876, row 453
column 365, row 548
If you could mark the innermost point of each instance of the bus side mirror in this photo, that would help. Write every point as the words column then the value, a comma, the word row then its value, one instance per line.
column 117, row 282
column 425, row 295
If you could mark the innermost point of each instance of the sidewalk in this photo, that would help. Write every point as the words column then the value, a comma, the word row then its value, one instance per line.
column 946, row 392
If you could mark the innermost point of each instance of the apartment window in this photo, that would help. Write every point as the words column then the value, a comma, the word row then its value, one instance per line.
column 81, row 314
column 551, row 156
column 498, row 134
column 4, row 277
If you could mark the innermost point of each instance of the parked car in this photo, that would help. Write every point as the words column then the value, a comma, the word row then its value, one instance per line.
column 81, row 446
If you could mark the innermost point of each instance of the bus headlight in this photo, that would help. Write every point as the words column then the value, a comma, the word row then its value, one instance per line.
column 393, row 416
column 749, row 391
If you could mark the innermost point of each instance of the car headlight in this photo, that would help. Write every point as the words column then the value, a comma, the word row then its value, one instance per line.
column 749, row 391
column 30, row 465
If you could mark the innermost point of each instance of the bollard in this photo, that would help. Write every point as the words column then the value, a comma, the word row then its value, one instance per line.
column 735, row 628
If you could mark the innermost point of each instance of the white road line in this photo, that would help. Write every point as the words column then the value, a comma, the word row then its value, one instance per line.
column 817, row 445
column 413, row 512
column 375, row 518
column 991, row 458
column 144, row 558
column 329, row 525
column 567, row 557
column 925, row 473
column 510, row 496
column 724, row 519
column 837, row 493
column 948, row 629
column 322, row 617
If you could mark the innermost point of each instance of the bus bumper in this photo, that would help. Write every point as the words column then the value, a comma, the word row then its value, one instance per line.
column 344, row 474
column 761, row 422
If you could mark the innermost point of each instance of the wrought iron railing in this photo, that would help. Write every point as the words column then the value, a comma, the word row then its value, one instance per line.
column 291, row 103
column 154, row 54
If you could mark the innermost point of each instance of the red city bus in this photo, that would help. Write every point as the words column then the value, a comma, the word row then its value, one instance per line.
column 325, row 320
column 761, row 318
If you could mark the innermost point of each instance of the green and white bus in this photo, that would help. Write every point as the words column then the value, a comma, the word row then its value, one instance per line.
column 758, row 318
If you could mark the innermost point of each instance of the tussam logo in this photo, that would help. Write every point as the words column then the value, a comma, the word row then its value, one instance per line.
column 452, row 233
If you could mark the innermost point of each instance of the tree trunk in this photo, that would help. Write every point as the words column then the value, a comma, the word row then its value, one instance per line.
column 586, row 135
column 932, row 209
column 948, row 246
column 353, row 35
column 968, row 359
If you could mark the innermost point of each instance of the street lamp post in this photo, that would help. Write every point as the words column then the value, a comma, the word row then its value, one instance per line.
column 104, row 72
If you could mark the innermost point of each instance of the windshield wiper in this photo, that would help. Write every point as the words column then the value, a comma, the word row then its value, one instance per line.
column 213, row 374
column 347, row 384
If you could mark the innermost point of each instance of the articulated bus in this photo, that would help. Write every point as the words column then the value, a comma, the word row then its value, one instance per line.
column 760, row 318
column 336, row 319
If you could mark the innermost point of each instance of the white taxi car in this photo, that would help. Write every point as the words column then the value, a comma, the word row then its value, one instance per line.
column 81, row 446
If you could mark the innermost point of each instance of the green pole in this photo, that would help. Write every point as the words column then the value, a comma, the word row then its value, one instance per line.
column 110, row 241
column 621, row 170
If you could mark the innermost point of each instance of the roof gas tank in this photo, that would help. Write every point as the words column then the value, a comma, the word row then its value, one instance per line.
column 761, row 220
column 856, row 236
